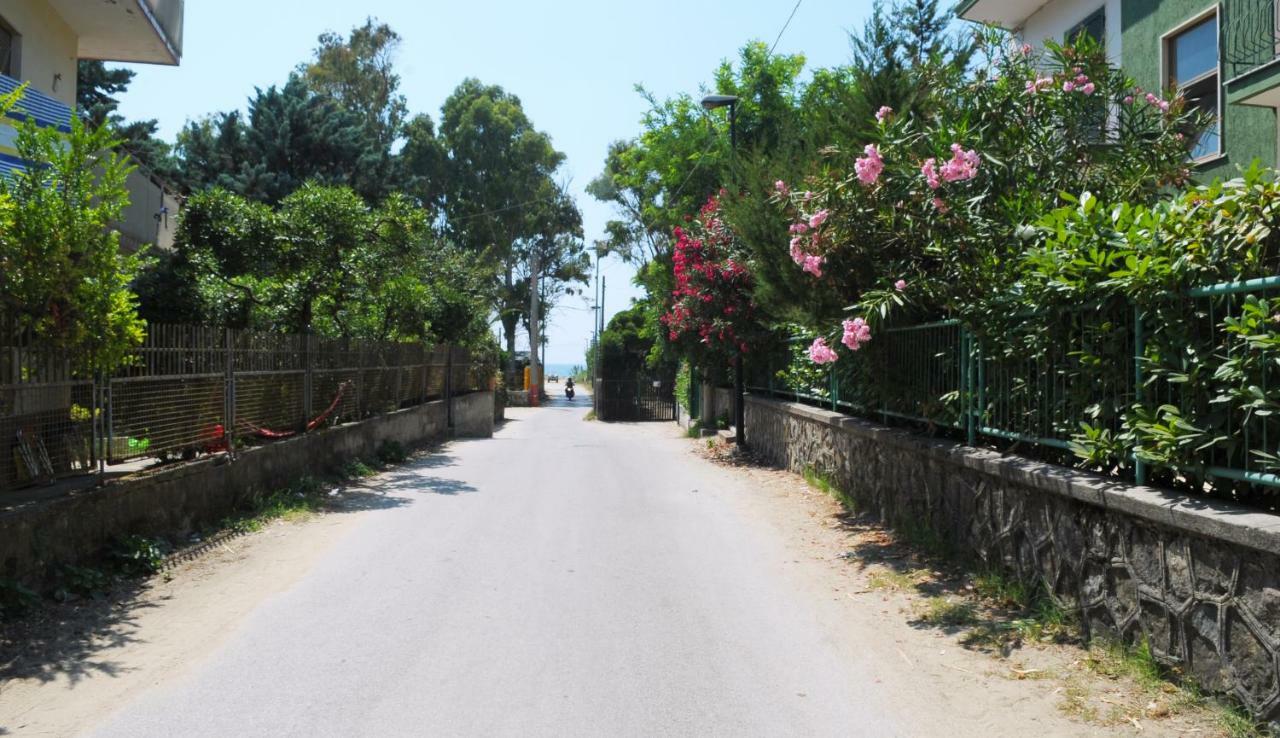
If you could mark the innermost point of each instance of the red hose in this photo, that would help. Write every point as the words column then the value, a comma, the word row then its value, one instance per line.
column 270, row 434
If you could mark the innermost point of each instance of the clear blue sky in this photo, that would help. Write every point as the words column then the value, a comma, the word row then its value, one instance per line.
column 573, row 63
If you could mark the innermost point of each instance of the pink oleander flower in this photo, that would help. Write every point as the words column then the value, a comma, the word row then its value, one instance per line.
column 1040, row 83
column 1068, row 86
column 900, row 285
column 821, row 353
column 797, row 253
column 1088, row 88
column 856, row 333
column 1081, row 79
column 870, row 166
column 1128, row 99
column 781, row 188
column 962, row 165
column 941, row 205
column 799, row 227
column 883, row 113
column 818, row 218
column 1026, row 49
column 813, row 264
column 930, row 172
column 808, row 195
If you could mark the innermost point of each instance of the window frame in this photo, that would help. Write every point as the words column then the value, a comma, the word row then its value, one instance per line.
column 1081, row 25
column 1167, row 57
column 10, row 67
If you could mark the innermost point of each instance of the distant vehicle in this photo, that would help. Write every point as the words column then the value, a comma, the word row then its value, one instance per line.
column 553, row 378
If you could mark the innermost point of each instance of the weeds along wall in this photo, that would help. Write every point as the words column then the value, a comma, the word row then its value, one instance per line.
column 1198, row 578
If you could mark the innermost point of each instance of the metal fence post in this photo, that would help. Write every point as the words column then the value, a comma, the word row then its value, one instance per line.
column 307, row 379
column 229, row 394
column 1139, row 352
column 835, row 388
column 97, row 456
column 448, row 386
column 970, row 407
column 110, row 430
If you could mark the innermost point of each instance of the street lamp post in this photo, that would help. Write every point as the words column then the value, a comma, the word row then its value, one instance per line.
column 711, row 102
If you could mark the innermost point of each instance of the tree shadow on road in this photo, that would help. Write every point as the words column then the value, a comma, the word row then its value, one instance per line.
column 396, row 486
column 65, row 640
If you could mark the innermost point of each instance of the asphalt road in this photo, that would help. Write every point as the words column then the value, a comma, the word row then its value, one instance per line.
column 564, row 578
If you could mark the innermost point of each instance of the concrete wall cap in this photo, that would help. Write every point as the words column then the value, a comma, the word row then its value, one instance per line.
column 1204, row 516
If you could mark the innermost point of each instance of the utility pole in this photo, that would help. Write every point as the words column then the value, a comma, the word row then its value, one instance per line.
column 711, row 102
column 535, row 371
column 595, row 315
column 604, row 281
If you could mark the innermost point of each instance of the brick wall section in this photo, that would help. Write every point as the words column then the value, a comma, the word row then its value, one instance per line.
column 1199, row 578
column 172, row 502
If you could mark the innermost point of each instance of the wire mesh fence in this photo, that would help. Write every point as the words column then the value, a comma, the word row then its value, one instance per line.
column 196, row 390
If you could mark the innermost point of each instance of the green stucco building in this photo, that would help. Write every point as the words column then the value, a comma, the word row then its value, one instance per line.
column 1224, row 57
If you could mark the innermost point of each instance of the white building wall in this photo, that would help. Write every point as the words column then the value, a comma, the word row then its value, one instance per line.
column 1054, row 19
column 47, row 47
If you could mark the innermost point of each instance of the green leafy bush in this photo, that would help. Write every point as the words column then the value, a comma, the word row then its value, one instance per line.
column 137, row 556
column 392, row 452
column 15, row 599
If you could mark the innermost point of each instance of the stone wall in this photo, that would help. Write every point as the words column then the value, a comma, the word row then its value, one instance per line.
column 473, row 415
column 1198, row 578
column 172, row 502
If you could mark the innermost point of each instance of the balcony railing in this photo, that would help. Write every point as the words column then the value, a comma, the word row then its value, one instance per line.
column 1249, row 37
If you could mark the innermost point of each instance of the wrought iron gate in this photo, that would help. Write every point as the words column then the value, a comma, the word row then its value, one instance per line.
column 635, row 400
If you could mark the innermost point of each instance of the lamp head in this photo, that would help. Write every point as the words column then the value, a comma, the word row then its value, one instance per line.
column 711, row 102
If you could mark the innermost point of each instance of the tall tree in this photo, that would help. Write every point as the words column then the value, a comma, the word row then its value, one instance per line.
column 421, row 164
column 327, row 261
column 358, row 73
column 500, row 192
column 291, row 136
column 98, row 89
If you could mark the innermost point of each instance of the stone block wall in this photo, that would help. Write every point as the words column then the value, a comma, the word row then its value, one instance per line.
column 1198, row 578
column 36, row 537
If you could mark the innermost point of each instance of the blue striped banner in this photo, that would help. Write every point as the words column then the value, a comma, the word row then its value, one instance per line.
column 37, row 106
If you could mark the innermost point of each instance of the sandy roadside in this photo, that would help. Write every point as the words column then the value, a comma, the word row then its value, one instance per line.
column 104, row 654
column 1046, row 689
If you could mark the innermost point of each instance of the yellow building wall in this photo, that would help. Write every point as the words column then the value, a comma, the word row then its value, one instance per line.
column 46, row 47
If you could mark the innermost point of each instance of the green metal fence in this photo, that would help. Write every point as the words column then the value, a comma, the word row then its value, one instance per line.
column 1036, row 386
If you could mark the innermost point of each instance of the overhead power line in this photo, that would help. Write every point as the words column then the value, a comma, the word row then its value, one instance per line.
column 784, row 27
column 509, row 207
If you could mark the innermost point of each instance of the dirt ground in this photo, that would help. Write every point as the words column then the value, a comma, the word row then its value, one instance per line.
column 65, row 668
column 913, row 598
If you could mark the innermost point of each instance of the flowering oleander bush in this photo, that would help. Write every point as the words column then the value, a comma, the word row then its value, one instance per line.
column 932, row 215
column 712, row 309
column 971, row 215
